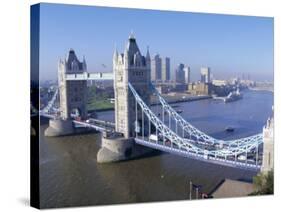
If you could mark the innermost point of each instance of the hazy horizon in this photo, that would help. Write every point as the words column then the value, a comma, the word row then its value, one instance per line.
column 230, row 45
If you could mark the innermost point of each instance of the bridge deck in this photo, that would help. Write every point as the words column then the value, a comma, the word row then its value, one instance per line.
column 220, row 161
column 99, row 125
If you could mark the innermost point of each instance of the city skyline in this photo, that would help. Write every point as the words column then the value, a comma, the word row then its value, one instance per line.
column 230, row 45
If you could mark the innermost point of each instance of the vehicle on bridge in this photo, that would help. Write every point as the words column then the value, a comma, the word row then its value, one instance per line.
column 153, row 137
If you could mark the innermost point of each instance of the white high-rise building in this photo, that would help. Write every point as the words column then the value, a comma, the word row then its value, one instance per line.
column 187, row 74
column 156, row 65
column 205, row 75
column 165, row 69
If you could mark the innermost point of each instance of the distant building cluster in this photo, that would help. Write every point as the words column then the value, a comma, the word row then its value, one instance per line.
column 181, row 82
column 161, row 76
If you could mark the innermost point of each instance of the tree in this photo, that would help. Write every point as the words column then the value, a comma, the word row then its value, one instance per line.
column 263, row 183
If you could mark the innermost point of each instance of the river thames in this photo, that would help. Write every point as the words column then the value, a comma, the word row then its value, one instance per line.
column 71, row 176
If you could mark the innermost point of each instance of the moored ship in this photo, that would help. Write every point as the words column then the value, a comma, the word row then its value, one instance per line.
column 233, row 96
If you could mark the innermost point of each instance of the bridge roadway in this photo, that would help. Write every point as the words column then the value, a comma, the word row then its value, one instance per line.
column 99, row 125
column 216, row 160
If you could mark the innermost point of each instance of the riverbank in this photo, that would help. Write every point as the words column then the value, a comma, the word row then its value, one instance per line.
column 270, row 89
column 168, row 98
column 179, row 98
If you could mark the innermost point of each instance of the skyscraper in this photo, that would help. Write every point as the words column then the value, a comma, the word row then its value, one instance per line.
column 205, row 75
column 187, row 74
column 165, row 69
column 156, row 68
column 180, row 73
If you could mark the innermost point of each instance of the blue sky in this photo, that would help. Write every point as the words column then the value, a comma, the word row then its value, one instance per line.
column 230, row 45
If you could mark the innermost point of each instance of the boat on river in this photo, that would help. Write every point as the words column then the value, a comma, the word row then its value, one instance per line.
column 233, row 96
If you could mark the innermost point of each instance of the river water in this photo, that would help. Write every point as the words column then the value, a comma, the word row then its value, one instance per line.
column 71, row 176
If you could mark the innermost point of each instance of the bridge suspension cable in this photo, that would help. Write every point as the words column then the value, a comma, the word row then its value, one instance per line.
column 245, row 144
column 50, row 105
column 193, row 131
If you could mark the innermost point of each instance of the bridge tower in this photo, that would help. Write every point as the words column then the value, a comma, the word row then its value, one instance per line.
column 73, row 94
column 268, row 146
column 131, row 67
column 128, row 67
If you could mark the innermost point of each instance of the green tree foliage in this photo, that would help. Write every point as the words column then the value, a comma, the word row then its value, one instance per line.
column 99, row 98
column 264, row 183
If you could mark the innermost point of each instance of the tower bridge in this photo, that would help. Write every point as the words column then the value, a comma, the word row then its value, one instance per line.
column 135, row 122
